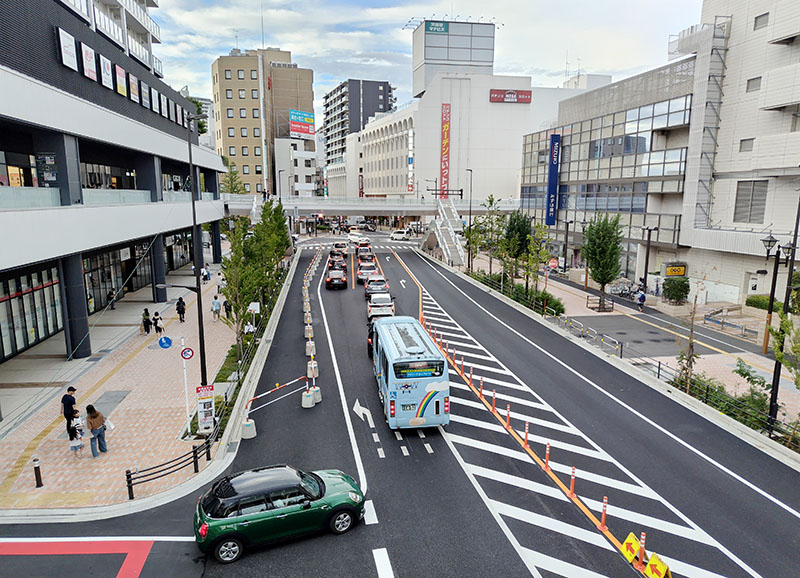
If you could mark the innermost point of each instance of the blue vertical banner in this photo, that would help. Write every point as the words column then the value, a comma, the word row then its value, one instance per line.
column 552, row 179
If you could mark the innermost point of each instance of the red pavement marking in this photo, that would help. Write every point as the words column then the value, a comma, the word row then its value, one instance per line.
column 132, row 565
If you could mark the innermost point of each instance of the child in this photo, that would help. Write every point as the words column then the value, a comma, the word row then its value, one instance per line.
column 75, row 443
column 77, row 421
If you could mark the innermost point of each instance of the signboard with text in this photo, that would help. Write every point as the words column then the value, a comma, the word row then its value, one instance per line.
column 552, row 180
column 444, row 157
column 205, row 407
column 301, row 124
column 437, row 27
column 503, row 95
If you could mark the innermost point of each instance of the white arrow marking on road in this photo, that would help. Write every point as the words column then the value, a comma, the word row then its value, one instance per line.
column 363, row 412
column 387, row 257
column 403, row 283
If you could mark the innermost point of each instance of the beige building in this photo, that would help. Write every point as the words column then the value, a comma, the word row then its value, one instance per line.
column 254, row 90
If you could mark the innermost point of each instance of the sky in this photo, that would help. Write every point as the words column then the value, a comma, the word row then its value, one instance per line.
column 341, row 39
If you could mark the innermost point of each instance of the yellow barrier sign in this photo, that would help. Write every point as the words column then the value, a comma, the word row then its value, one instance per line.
column 676, row 271
column 656, row 568
column 630, row 547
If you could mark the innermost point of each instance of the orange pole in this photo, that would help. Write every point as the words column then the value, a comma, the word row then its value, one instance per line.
column 480, row 393
column 526, row 434
column 547, row 458
column 639, row 565
column 494, row 398
column 602, row 527
column 470, row 376
column 572, row 484
column 508, row 416
column 462, row 361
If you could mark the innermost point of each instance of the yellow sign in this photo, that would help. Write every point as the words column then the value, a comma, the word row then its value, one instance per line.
column 676, row 271
column 656, row 568
column 630, row 547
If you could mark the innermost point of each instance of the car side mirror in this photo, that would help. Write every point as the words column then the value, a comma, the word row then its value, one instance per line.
column 306, row 504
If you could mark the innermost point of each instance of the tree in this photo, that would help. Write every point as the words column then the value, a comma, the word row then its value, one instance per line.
column 786, row 345
column 231, row 183
column 603, row 247
column 474, row 239
column 676, row 289
column 266, row 248
column 202, row 125
column 493, row 226
column 538, row 253
column 517, row 232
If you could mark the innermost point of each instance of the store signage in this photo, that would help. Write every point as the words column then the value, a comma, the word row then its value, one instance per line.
column 133, row 84
column 675, row 270
column 301, row 124
column 437, row 27
column 122, row 80
column 145, row 94
column 552, row 180
column 155, row 99
column 444, row 155
column 205, row 407
column 89, row 62
column 164, row 103
column 69, row 56
column 46, row 168
column 106, row 76
column 503, row 95
column 125, row 254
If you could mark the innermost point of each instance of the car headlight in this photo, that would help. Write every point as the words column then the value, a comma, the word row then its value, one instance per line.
column 354, row 497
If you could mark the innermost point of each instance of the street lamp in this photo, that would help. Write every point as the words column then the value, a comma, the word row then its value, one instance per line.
column 279, row 183
column 769, row 243
column 197, row 237
column 469, row 239
column 435, row 185
column 586, row 268
column 649, row 230
column 566, row 241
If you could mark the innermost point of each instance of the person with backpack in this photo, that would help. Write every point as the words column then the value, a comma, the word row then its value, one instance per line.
column 180, row 307
column 640, row 299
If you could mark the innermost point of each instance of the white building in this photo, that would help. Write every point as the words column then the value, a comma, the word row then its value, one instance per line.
column 346, row 179
column 295, row 166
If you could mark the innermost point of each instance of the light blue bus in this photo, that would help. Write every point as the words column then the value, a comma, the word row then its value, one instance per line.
column 412, row 375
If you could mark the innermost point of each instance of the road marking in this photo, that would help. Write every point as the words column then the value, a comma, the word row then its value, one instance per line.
column 428, row 448
column 685, row 569
column 421, row 434
column 556, row 566
column 380, row 453
column 362, row 475
column 362, row 412
column 516, row 481
column 277, row 399
column 402, row 281
column 382, row 563
column 404, row 449
column 375, row 438
column 370, row 517
column 135, row 552
column 398, row 435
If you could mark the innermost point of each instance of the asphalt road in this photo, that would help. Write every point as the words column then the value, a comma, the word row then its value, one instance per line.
column 467, row 499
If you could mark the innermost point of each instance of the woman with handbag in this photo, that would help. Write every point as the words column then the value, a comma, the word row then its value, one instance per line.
column 97, row 425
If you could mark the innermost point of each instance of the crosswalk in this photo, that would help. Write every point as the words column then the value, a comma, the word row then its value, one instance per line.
column 382, row 246
column 529, row 502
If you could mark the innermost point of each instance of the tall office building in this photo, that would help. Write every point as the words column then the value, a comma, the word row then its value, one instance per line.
column 94, row 168
column 259, row 96
column 348, row 107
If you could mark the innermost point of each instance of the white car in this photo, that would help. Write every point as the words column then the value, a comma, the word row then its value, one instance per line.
column 380, row 304
column 399, row 235
column 354, row 237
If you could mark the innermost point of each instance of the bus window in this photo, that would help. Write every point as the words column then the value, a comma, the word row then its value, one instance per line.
column 416, row 369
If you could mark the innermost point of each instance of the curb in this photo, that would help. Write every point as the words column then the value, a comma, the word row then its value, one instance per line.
column 730, row 425
column 223, row 457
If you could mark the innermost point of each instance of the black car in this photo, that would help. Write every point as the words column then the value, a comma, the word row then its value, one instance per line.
column 336, row 278
column 375, row 284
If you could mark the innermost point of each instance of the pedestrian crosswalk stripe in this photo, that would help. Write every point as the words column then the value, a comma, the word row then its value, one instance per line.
column 516, row 481
column 684, row 569
column 491, row 381
column 557, row 566
column 515, row 401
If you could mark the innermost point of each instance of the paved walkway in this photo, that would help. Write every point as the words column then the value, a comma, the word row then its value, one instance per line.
column 129, row 372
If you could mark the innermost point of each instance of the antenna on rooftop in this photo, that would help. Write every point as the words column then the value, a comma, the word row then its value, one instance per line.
column 236, row 33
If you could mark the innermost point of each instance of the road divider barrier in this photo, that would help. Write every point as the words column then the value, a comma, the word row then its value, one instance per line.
column 278, row 386
column 311, row 348
column 508, row 416
column 312, row 369
column 308, row 331
column 526, row 435
column 602, row 526
column 307, row 318
column 572, row 484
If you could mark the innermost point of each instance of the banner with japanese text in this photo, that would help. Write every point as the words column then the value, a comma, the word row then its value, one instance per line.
column 444, row 171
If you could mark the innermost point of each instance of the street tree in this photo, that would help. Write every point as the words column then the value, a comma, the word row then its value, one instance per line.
column 231, row 183
column 493, row 227
column 786, row 345
column 241, row 280
column 518, row 230
column 538, row 253
column 603, row 247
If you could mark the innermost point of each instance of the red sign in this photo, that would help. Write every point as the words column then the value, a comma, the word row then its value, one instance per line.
column 501, row 95
column 444, row 170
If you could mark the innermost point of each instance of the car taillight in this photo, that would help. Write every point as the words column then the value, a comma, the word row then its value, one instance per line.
column 447, row 405
column 203, row 531
column 369, row 340
column 391, row 408
column 328, row 280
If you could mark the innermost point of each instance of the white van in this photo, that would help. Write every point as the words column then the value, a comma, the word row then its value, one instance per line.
column 399, row 235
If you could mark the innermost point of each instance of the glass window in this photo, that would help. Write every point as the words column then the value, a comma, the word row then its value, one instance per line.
column 243, row 131
column 258, row 168
column 257, row 131
column 257, row 151
column 646, row 111
column 676, row 118
column 245, row 151
column 232, row 151
column 254, row 75
column 258, row 187
column 632, row 115
column 746, row 145
column 228, row 93
column 661, row 108
column 254, row 93
column 761, row 21
column 677, row 104
column 242, row 113
column 227, row 75
column 754, row 84
column 231, row 131
column 242, row 93
column 245, row 169
column 240, row 74
column 229, row 112
column 247, row 187
column 660, row 122
column 255, row 113
column 252, row 505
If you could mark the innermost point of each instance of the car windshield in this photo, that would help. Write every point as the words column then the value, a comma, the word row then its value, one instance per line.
column 382, row 299
column 312, row 484
column 367, row 268
column 375, row 283
column 336, row 273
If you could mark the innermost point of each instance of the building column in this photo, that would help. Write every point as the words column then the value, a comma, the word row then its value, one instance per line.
column 159, row 272
column 148, row 176
column 76, row 312
column 66, row 151
column 216, row 242
column 211, row 178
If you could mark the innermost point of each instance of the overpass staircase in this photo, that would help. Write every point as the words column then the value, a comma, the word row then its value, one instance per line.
column 441, row 237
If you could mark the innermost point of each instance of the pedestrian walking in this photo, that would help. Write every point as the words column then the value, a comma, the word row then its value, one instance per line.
column 180, row 307
column 68, row 406
column 226, row 305
column 208, row 272
column 158, row 323
column 77, row 421
column 146, row 323
column 75, row 442
column 221, row 283
column 111, row 297
column 641, row 298
column 264, row 196
column 97, row 425
column 203, row 274
column 215, row 307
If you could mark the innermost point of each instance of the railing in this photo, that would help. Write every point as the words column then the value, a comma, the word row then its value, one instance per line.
column 157, row 67
column 29, row 197
column 593, row 302
column 442, row 243
column 143, row 18
column 331, row 203
column 206, row 196
column 741, row 329
column 456, row 242
column 107, row 26
column 115, row 197
column 81, row 7
column 138, row 50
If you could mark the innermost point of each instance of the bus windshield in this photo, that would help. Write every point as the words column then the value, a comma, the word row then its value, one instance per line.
column 415, row 369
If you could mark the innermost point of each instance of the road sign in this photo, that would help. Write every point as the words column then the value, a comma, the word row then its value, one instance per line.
column 630, row 547
column 656, row 568
column 553, row 263
column 187, row 353
column 165, row 343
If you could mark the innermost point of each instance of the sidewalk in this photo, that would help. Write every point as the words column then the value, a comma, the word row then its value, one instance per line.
column 134, row 382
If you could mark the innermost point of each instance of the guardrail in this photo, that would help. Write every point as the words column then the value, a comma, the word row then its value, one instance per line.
column 593, row 303
column 743, row 330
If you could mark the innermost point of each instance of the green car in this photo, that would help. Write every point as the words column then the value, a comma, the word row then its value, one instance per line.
column 273, row 503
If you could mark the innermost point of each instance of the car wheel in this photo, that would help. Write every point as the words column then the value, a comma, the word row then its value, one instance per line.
column 228, row 550
column 341, row 521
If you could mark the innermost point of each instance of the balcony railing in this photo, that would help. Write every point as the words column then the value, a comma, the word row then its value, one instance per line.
column 108, row 27
column 29, row 197
column 81, row 7
column 115, row 197
column 138, row 50
column 157, row 67
column 135, row 9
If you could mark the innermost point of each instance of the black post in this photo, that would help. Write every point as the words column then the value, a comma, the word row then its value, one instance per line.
column 37, row 473
column 566, row 242
column 129, row 483
column 776, row 374
column 208, row 449
column 771, row 305
column 194, row 459
column 471, row 236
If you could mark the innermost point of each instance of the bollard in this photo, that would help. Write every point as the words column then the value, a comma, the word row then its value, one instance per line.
column 37, row 473
column 208, row 449
column 308, row 332
column 480, row 393
column 129, row 483
column 470, row 376
column 308, row 318
column 316, row 392
column 308, row 400
column 639, row 565
column 602, row 527
column 312, row 369
column 508, row 416
column 194, row 459
column 547, row 458
column 248, row 429
column 306, row 306
column 572, row 484
column 526, row 434
column 494, row 399
column 311, row 348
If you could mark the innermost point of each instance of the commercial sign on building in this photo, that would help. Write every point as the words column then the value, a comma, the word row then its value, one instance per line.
column 552, row 180
column 301, row 124
column 437, row 27
column 444, row 170
column 205, row 407
column 675, row 270
column 503, row 95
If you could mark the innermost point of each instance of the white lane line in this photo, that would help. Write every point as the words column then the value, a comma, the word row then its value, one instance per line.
column 52, row 539
column 684, row 569
column 421, row 434
column 362, row 475
column 650, row 422
column 516, row 481
column 509, row 398
column 380, row 453
column 490, row 381
column 404, row 449
column 398, row 435
column 370, row 517
column 428, row 448
column 500, row 522
column 557, row 566
column 486, row 368
column 382, row 563
column 592, row 537
column 375, row 438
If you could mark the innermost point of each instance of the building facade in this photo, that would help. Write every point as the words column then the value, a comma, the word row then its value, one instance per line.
column 94, row 179
column 706, row 149
column 255, row 92
column 296, row 166
column 348, row 107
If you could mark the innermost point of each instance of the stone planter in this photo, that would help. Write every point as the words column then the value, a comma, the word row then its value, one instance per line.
column 682, row 310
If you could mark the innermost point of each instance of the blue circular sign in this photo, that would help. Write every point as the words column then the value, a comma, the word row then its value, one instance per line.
column 165, row 342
